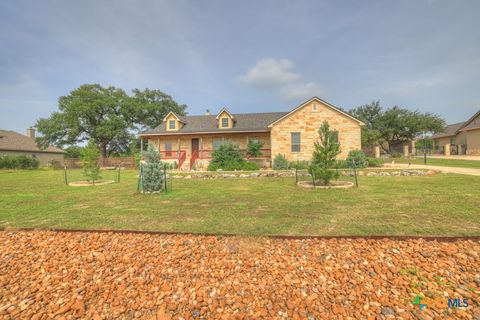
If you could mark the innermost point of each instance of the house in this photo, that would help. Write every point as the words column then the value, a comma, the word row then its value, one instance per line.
column 460, row 138
column 13, row 143
column 190, row 140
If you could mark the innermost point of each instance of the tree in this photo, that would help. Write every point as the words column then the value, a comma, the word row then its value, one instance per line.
column 394, row 125
column 324, row 157
column 152, row 172
column 90, row 155
column 107, row 116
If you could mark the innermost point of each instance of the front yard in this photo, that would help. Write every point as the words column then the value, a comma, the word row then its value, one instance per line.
column 460, row 163
column 433, row 205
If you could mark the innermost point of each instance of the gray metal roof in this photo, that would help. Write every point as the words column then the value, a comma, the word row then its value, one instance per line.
column 449, row 131
column 207, row 123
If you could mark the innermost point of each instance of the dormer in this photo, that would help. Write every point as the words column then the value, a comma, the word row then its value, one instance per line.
column 173, row 122
column 225, row 119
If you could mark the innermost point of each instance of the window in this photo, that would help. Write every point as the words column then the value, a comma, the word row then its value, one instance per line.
column 335, row 136
column 171, row 124
column 453, row 140
column 168, row 149
column 295, row 141
column 314, row 107
column 216, row 143
column 224, row 122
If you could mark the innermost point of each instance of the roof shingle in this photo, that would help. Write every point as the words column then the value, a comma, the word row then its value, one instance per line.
column 13, row 141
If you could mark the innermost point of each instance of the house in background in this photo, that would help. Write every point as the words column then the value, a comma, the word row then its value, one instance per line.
column 13, row 143
column 460, row 138
column 190, row 140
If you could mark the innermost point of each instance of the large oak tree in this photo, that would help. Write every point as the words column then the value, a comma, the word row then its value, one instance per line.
column 107, row 116
column 394, row 125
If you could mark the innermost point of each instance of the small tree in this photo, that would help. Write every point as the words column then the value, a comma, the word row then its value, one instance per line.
column 227, row 157
column 359, row 157
column 152, row 169
column 253, row 148
column 280, row 162
column 324, row 157
column 91, row 169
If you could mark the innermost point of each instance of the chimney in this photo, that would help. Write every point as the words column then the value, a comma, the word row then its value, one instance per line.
column 207, row 112
column 31, row 133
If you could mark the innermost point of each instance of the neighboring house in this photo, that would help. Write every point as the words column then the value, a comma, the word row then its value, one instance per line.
column 13, row 143
column 460, row 138
column 190, row 140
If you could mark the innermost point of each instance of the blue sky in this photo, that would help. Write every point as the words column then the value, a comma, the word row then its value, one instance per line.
column 251, row 56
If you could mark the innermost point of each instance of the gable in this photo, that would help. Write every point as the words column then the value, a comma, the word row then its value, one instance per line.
column 316, row 105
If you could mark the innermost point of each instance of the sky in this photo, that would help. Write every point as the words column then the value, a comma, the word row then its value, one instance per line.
column 250, row 56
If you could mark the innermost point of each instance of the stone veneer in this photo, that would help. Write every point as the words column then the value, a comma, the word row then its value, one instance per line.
column 307, row 121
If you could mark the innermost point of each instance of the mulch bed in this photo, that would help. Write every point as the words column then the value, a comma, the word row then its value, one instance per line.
column 70, row 275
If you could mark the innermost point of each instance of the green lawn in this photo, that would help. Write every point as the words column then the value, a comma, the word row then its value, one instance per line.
column 433, row 205
column 440, row 162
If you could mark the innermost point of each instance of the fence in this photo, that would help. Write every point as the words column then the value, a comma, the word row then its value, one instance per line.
column 76, row 163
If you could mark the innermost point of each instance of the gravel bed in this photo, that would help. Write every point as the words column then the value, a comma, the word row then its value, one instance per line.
column 58, row 275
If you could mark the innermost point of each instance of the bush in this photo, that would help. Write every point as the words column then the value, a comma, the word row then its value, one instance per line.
column 341, row 164
column 250, row 166
column 18, row 162
column 359, row 157
column 396, row 154
column 152, row 172
column 374, row 162
column 280, row 162
column 299, row 165
column 227, row 157
column 91, row 169
column 253, row 148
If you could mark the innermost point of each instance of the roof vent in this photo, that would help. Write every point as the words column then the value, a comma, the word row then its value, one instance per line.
column 207, row 112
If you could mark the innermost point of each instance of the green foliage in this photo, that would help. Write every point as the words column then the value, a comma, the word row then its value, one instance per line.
column 106, row 116
column 227, row 157
column 341, row 164
column 253, row 148
column 325, row 155
column 374, row 162
column 152, row 172
column 396, row 154
column 73, row 151
column 299, row 164
column 250, row 166
column 280, row 162
column 91, row 169
column 394, row 125
column 359, row 157
column 18, row 162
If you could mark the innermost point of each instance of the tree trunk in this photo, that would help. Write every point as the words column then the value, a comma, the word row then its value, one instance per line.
column 103, row 153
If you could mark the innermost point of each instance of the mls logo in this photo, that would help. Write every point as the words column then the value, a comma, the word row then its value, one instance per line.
column 418, row 302
column 457, row 303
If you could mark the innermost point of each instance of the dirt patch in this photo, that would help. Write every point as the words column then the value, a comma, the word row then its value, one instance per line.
column 339, row 184
column 147, row 276
column 84, row 183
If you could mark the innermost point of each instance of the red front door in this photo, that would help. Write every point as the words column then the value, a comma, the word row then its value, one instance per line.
column 195, row 145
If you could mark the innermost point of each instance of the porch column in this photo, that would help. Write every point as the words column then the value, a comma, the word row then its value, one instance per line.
column 447, row 149
column 158, row 144
column 141, row 145
column 377, row 152
column 405, row 150
column 414, row 148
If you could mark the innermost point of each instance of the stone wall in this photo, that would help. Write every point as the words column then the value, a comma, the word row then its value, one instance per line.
column 307, row 120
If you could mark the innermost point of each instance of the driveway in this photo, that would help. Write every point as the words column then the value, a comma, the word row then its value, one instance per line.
column 467, row 171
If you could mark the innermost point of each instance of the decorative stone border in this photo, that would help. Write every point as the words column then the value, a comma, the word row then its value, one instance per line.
column 291, row 173
column 339, row 184
column 84, row 183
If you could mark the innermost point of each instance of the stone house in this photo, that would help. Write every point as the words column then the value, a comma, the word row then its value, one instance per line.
column 190, row 140
column 460, row 138
column 13, row 143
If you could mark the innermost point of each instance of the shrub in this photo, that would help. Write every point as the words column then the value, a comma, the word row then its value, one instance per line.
column 280, row 162
column 341, row 164
column 396, row 154
column 374, row 162
column 250, row 166
column 90, row 155
column 299, row 165
column 152, row 171
column 325, row 155
column 227, row 157
column 18, row 162
column 253, row 148
column 359, row 157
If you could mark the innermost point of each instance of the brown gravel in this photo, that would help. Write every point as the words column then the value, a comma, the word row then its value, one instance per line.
column 48, row 275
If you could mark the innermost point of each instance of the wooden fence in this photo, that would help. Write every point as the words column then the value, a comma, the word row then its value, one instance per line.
column 75, row 163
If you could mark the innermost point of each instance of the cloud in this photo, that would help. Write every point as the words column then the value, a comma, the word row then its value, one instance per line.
column 279, row 76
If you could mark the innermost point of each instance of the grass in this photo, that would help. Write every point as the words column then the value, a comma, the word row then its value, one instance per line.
column 431, row 205
column 440, row 162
